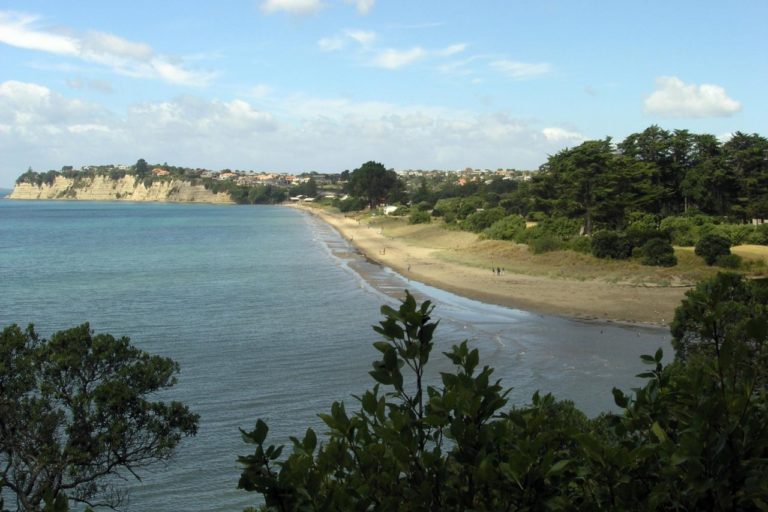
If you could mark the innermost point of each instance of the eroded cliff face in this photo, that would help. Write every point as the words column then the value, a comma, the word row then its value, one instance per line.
column 103, row 188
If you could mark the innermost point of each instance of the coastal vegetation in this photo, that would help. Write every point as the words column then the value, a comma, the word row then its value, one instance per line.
column 692, row 437
column 76, row 418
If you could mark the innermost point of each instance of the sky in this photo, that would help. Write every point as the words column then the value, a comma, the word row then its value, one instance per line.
column 326, row 85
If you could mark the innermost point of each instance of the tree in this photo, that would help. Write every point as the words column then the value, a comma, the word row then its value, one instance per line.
column 693, row 437
column 142, row 169
column 723, row 310
column 593, row 182
column 659, row 252
column 712, row 246
column 374, row 183
column 75, row 418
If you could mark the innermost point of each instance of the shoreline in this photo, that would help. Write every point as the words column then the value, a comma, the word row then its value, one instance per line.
column 591, row 301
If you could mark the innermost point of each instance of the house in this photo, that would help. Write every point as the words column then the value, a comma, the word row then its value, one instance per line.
column 159, row 171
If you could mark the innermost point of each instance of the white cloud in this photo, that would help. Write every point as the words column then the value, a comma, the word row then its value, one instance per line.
column 292, row 6
column 361, row 36
column 555, row 134
column 338, row 42
column 452, row 49
column 521, row 70
column 331, row 44
column 674, row 98
column 260, row 91
column 15, row 31
column 363, row 6
column 47, row 130
column 123, row 56
column 394, row 59
column 97, row 85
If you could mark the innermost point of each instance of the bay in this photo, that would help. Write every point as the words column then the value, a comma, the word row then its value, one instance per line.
column 268, row 312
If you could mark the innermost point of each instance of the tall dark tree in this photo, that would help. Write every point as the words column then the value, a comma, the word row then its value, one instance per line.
column 747, row 157
column 593, row 182
column 375, row 184
column 76, row 419
column 142, row 169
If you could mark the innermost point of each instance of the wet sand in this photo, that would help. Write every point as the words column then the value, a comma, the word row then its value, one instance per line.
column 587, row 300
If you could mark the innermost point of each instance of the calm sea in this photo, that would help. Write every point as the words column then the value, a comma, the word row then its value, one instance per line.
column 268, row 311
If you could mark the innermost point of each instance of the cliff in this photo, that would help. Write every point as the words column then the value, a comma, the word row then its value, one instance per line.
column 103, row 188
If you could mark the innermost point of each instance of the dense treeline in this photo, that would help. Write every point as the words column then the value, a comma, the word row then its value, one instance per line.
column 657, row 172
column 637, row 198
column 692, row 437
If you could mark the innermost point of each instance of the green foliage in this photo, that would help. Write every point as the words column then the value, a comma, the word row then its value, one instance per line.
column 611, row 244
column 350, row 204
column 508, row 228
column 420, row 217
column 545, row 243
column 731, row 261
column 658, row 252
column 692, row 437
column 483, row 219
column 141, row 169
column 375, row 184
column 75, row 417
column 711, row 247
column 457, row 207
column 581, row 244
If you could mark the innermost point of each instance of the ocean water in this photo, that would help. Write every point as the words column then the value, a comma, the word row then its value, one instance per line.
column 268, row 312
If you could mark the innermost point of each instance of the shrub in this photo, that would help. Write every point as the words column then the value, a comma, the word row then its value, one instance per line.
column 685, row 231
column 351, row 204
column 478, row 221
column 710, row 247
column 545, row 244
column 611, row 244
column 449, row 218
column 638, row 235
column 401, row 211
column 424, row 206
column 758, row 235
column 658, row 252
column 731, row 261
column 505, row 229
column 580, row 244
column 420, row 218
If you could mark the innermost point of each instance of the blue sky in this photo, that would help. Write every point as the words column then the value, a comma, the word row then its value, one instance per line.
column 300, row 85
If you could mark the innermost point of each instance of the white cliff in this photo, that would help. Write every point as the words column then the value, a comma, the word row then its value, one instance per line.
column 103, row 188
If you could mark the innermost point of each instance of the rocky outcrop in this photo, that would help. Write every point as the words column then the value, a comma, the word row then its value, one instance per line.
column 103, row 188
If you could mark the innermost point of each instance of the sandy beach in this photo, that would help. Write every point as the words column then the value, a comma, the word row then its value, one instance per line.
column 589, row 300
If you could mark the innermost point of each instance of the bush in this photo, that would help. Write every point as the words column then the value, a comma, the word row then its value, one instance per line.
column 401, row 211
column 658, row 252
column 420, row 218
column 505, row 229
column 611, row 244
column 710, row 247
column 424, row 206
column 685, row 231
column 691, row 437
column 758, row 235
column 731, row 261
column 545, row 244
column 478, row 221
column 580, row 244
column 351, row 204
